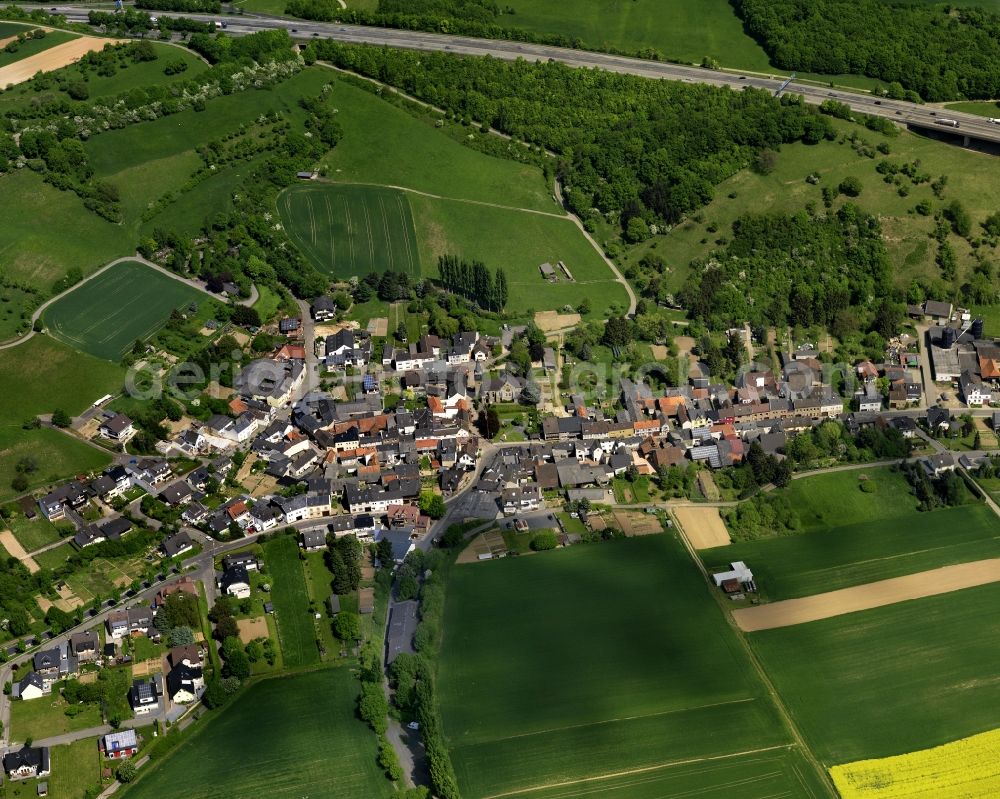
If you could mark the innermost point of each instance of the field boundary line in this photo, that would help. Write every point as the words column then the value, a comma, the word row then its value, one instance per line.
column 640, row 770
column 428, row 195
column 623, row 718
column 772, row 692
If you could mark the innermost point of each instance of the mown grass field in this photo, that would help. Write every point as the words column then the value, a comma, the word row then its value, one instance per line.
column 384, row 144
column 286, row 738
column 45, row 717
column 519, row 242
column 75, row 769
column 296, row 631
column 124, row 304
column 891, row 680
column 785, row 190
column 840, row 557
column 30, row 252
column 48, row 375
column 562, row 668
column 57, row 455
column 686, row 30
column 351, row 230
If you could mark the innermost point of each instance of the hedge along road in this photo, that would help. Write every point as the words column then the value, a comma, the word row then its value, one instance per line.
column 195, row 284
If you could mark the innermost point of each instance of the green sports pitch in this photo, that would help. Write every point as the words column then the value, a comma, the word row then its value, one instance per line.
column 351, row 230
column 107, row 314
column 606, row 671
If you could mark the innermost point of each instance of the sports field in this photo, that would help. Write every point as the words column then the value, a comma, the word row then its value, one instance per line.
column 287, row 738
column 891, row 680
column 599, row 668
column 351, row 230
column 296, row 630
column 839, row 557
column 107, row 314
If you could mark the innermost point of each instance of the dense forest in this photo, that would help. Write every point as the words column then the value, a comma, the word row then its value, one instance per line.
column 941, row 52
column 796, row 269
column 627, row 146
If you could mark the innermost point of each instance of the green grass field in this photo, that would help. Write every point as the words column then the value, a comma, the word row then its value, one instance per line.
column 32, row 47
column 351, row 230
column 286, row 738
column 126, row 303
column 45, row 717
column 839, row 557
column 34, row 533
column 785, row 190
column 384, row 144
column 58, row 456
column 686, row 30
column 763, row 775
column 519, row 242
column 890, row 680
column 296, row 631
column 49, row 375
column 567, row 667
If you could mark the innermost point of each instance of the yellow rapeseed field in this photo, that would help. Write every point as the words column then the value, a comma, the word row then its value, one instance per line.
column 964, row 769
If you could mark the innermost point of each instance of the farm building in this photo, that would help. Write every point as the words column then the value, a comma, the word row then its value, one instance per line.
column 548, row 271
column 738, row 578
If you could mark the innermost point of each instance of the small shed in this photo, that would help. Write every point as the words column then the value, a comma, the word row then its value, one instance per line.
column 548, row 270
column 269, row 607
column 334, row 605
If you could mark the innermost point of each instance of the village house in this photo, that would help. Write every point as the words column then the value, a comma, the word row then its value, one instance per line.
column 144, row 696
column 119, row 745
column 235, row 581
column 117, row 427
column 27, row 762
column 131, row 622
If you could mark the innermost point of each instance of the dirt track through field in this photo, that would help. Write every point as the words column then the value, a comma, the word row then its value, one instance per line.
column 703, row 527
column 865, row 597
column 53, row 58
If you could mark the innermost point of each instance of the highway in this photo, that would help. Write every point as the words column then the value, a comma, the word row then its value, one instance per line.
column 897, row 110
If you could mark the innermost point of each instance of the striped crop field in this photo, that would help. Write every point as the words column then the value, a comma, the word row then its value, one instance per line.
column 351, row 230
column 107, row 314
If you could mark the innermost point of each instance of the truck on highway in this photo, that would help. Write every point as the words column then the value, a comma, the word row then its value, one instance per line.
column 993, row 121
column 951, row 123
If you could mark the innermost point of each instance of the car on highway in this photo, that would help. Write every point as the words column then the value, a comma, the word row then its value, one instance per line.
column 878, row 102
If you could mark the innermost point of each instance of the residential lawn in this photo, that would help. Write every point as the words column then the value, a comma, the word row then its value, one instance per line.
column 122, row 305
column 46, row 716
column 891, row 680
column 620, row 661
column 571, row 525
column 519, row 243
column 49, row 375
column 311, row 714
column 75, row 768
column 786, row 190
column 30, row 47
column 57, row 454
column 384, row 144
column 56, row 557
column 144, row 649
column 319, row 581
column 34, row 533
column 296, row 631
column 854, row 554
column 631, row 492
column 101, row 577
column 267, row 303
column 351, row 230
column 685, row 30
column 518, row 542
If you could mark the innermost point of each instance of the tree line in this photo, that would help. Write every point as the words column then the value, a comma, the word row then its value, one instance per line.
column 474, row 281
column 628, row 147
column 941, row 52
